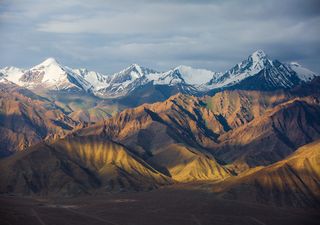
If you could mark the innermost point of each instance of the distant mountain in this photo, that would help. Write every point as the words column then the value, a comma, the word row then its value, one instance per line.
column 97, row 80
column 48, row 75
column 257, row 72
column 125, row 81
column 293, row 181
column 67, row 90
column 150, row 86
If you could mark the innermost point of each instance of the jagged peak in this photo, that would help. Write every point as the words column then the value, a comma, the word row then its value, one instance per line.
column 258, row 55
column 259, row 60
column 133, row 66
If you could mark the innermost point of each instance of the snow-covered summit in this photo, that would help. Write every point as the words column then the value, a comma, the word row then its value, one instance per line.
column 49, row 74
column 130, row 73
column 49, row 62
column 273, row 73
column 121, row 83
column 258, row 55
column 256, row 69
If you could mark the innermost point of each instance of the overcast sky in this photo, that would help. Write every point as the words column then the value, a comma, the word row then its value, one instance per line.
column 107, row 36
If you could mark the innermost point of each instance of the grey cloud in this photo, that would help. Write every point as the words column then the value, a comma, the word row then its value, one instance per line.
column 107, row 36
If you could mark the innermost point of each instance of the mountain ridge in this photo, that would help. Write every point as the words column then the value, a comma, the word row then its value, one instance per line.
column 271, row 74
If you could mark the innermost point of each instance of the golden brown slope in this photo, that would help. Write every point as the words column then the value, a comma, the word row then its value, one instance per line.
column 273, row 136
column 185, row 164
column 294, row 181
column 240, row 107
column 26, row 119
column 181, row 118
column 175, row 128
column 270, row 126
column 75, row 166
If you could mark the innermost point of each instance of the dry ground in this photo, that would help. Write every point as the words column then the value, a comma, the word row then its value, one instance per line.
column 175, row 205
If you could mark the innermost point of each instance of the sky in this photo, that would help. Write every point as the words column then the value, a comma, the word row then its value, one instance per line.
column 109, row 35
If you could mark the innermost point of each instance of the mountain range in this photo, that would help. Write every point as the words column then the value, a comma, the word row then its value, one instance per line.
column 251, row 133
column 271, row 74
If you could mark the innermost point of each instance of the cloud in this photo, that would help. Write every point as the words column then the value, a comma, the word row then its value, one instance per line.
column 109, row 35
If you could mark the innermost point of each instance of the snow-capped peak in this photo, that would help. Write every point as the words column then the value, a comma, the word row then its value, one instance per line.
column 53, row 76
column 49, row 71
column 131, row 73
column 136, row 70
column 257, row 62
column 258, row 55
column 49, row 61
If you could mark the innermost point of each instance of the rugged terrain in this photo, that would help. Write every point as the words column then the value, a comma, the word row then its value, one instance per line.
column 77, row 166
column 248, row 137
column 293, row 181
column 27, row 119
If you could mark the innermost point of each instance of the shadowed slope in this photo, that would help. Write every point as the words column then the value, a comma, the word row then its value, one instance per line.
column 240, row 107
column 273, row 136
column 26, row 119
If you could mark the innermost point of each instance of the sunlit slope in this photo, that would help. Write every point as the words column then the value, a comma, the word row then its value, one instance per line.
column 186, row 164
column 171, row 135
column 294, row 181
column 77, row 165
column 180, row 119
column 241, row 128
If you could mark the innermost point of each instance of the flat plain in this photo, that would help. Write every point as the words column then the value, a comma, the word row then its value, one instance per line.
column 181, row 204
